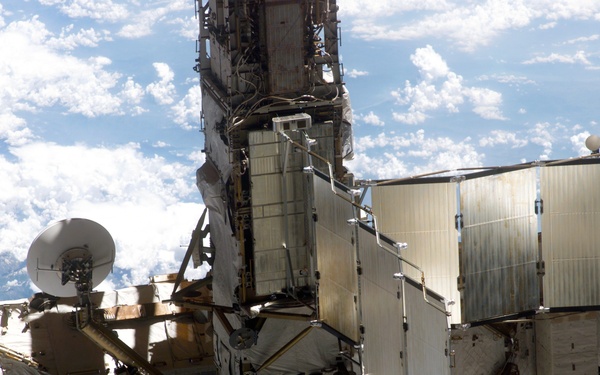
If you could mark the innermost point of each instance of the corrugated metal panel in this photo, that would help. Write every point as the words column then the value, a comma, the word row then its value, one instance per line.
column 285, row 46
column 567, row 344
column 381, row 308
column 270, row 258
column 499, row 245
column 266, row 150
column 268, row 189
column 543, row 348
column 220, row 62
column 427, row 335
column 480, row 350
column 336, row 260
column 323, row 134
column 268, row 213
column 423, row 216
column 570, row 233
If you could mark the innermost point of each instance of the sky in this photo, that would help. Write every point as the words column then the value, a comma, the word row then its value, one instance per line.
column 100, row 106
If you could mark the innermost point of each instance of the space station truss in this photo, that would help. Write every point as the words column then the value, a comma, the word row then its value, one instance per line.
column 131, row 324
column 567, row 344
column 358, row 286
column 336, row 262
column 422, row 215
column 499, row 244
column 279, row 197
column 570, row 222
column 405, row 325
column 523, row 238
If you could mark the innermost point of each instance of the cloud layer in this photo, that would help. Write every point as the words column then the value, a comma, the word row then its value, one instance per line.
column 468, row 25
column 144, row 195
column 442, row 89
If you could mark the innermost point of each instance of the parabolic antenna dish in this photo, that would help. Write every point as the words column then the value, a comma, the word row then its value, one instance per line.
column 68, row 240
column 592, row 143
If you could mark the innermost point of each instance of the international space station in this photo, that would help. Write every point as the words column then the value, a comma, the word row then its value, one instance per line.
column 464, row 272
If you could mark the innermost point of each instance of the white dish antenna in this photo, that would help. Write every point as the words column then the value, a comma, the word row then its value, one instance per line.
column 66, row 249
column 593, row 143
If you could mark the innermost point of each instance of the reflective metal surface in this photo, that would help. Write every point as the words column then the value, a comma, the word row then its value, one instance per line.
column 278, row 213
column 336, row 259
column 499, row 245
column 422, row 215
column 381, row 308
column 570, row 235
column 427, row 339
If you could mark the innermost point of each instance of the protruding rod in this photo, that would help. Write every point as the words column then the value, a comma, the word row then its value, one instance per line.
column 285, row 348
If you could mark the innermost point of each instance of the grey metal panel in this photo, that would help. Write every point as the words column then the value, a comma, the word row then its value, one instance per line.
column 269, row 210
column 261, row 137
column 266, row 150
column 220, row 62
column 422, row 215
column 427, row 335
column 381, row 308
column 285, row 46
column 268, row 189
column 313, row 352
column 269, row 232
column 567, row 344
column 570, row 234
column 336, row 260
column 323, row 134
column 499, row 245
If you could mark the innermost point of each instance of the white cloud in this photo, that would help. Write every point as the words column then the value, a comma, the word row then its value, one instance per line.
column 45, row 71
column 578, row 58
column 102, row 10
column 2, row 12
column 357, row 73
column 144, row 21
column 386, row 166
column 382, row 140
column 566, row 9
column 34, row 75
column 486, row 102
column 69, row 41
column 372, row 119
column 118, row 187
column 431, row 65
column 384, row 8
column 13, row 129
column 547, row 26
column 198, row 157
column 162, row 90
column 468, row 24
column 440, row 89
column 502, row 137
column 133, row 93
column 583, row 39
column 545, row 135
column 410, row 118
column 509, row 79
column 189, row 27
column 411, row 154
column 578, row 142
column 187, row 111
